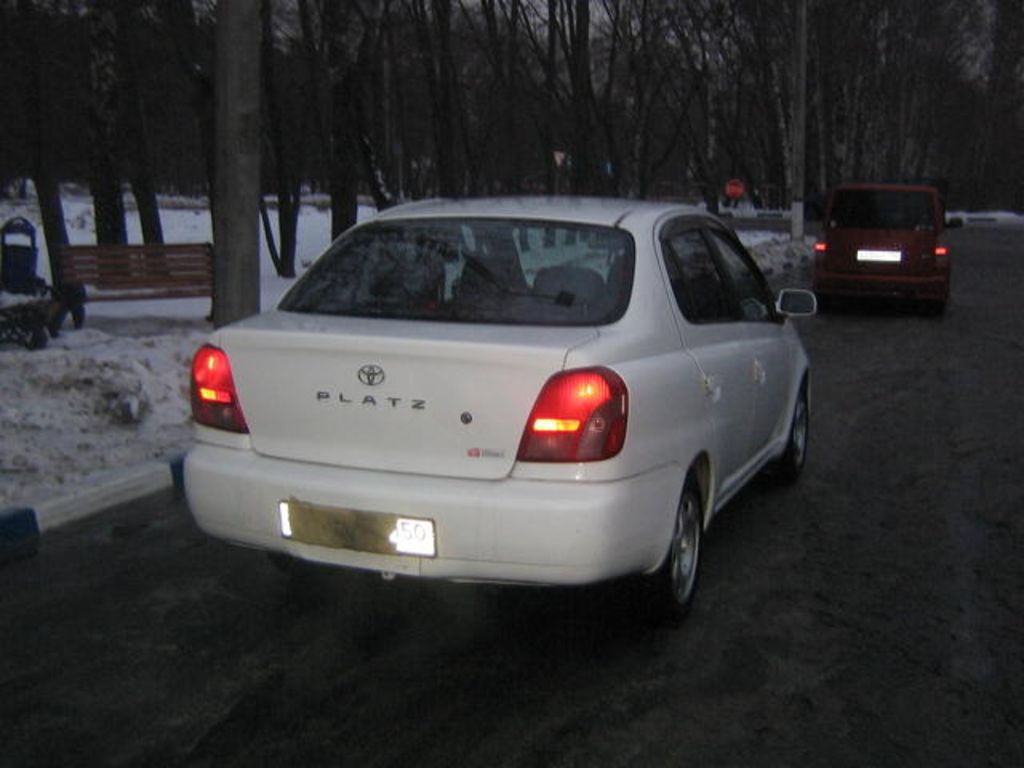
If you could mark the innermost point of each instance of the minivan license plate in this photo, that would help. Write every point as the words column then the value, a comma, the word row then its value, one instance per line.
column 893, row 257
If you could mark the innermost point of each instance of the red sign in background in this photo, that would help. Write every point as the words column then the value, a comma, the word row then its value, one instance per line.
column 735, row 189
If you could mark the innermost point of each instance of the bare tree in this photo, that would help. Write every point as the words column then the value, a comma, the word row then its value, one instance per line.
column 370, row 91
column 35, row 97
column 573, row 31
column 286, row 166
column 432, row 22
column 105, row 177
column 341, row 44
column 133, row 118
column 1005, row 100
column 633, row 97
column 497, row 25
column 191, row 36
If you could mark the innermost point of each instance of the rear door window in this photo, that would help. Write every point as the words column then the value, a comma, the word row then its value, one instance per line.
column 712, row 277
column 472, row 270
column 882, row 209
column 696, row 283
column 748, row 284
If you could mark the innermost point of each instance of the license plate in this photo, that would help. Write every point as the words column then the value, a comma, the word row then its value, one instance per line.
column 891, row 257
column 338, row 528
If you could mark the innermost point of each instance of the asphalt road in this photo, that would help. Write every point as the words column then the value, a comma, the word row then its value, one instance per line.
column 871, row 615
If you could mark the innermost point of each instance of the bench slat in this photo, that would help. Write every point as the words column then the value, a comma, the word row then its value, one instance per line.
column 150, row 261
column 153, row 294
column 140, row 281
column 137, row 248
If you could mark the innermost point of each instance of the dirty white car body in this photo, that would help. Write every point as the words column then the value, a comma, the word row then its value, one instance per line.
column 369, row 422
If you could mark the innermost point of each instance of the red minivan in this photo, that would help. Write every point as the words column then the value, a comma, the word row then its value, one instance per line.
column 884, row 240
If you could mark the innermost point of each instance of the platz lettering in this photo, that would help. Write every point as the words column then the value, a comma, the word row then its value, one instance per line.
column 373, row 402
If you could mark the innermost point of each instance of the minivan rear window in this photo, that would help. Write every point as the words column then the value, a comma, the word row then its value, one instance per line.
column 881, row 209
column 472, row 270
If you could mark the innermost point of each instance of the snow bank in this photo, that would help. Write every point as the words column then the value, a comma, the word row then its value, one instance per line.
column 90, row 401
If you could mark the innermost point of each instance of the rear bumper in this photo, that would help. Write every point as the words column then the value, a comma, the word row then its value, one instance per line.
column 506, row 530
column 929, row 287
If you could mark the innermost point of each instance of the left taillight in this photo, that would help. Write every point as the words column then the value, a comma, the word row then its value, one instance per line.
column 580, row 415
column 214, row 397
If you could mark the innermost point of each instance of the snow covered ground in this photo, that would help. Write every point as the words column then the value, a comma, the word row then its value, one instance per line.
column 115, row 393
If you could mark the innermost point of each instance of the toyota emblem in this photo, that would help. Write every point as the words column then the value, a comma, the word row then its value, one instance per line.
column 371, row 375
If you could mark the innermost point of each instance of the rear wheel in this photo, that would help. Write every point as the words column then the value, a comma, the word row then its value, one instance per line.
column 674, row 586
column 792, row 461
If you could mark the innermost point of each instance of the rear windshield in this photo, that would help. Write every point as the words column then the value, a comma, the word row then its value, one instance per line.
column 881, row 209
column 472, row 270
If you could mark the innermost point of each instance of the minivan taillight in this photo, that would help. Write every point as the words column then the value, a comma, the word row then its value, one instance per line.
column 580, row 415
column 214, row 398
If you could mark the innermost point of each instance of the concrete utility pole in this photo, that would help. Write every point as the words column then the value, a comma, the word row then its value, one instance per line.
column 236, row 237
column 799, row 123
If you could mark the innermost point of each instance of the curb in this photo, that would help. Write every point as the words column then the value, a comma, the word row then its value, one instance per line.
column 19, row 534
column 21, row 527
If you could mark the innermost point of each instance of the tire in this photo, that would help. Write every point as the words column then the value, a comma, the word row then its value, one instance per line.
column 37, row 338
column 78, row 316
column 673, row 587
column 791, row 463
column 56, row 323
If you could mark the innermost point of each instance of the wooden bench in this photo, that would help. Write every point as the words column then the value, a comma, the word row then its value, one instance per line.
column 138, row 272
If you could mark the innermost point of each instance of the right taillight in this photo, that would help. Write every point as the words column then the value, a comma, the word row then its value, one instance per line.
column 214, row 398
column 580, row 415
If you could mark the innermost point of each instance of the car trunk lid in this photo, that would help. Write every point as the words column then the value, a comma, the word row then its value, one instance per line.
column 402, row 396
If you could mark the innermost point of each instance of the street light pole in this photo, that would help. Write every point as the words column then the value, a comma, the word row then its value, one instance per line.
column 799, row 123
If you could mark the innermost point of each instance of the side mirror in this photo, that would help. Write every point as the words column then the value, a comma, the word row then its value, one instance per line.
column 795, row 302
column 954, row 223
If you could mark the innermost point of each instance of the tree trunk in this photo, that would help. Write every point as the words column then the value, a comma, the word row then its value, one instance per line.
column 136, row 134
column 368, row 91
column 433, row 32
column 236, row 225
column 105, row 181
column 287, row 180
column 552, row 168
column 179, row 17
column 1005, row 96
column 35, row 101
column 344, row 186
column 578, row 60
column 344, row 159
column 317, row 65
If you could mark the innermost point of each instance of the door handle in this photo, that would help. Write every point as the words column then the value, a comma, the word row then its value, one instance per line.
column 712, row 388
column 759, row 373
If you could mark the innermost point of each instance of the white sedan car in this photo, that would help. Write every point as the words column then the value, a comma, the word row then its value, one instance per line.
column 536, row 391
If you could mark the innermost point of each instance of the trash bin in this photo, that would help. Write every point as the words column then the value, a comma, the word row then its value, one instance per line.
column 18, row 259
